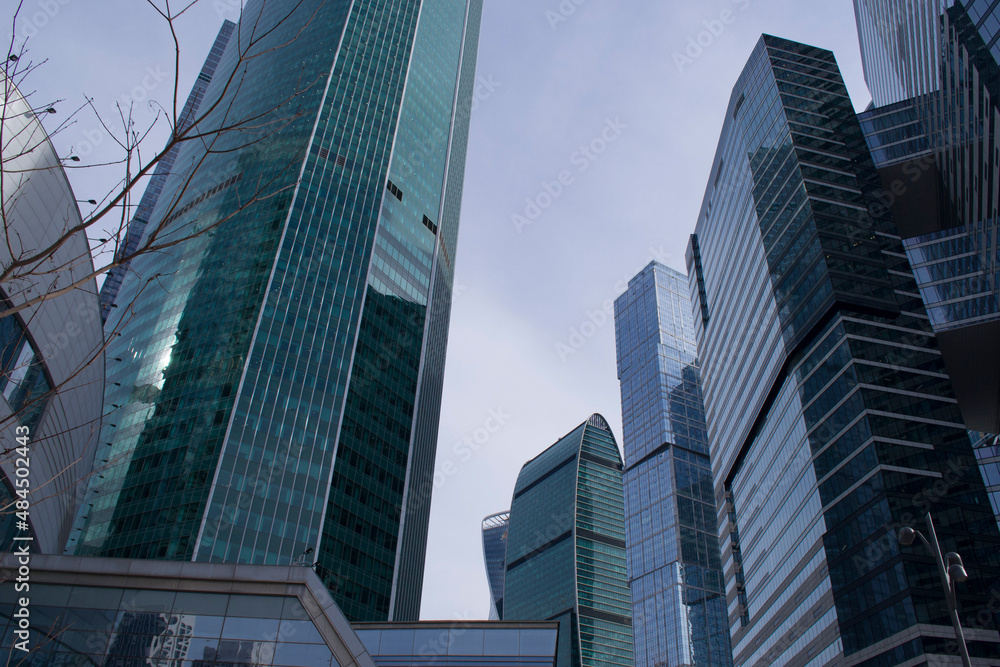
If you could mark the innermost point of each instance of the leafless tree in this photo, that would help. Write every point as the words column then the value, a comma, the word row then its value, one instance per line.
column 32, row 272
column 108, row 223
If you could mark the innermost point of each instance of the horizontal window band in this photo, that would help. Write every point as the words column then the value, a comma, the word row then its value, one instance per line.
column 590, row 612
column 542, row 549
column 607, row 463
column 545, row 477
column 597, row 537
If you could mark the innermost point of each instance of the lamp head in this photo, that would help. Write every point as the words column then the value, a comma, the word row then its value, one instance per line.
column 956, row 570
column 906, row 536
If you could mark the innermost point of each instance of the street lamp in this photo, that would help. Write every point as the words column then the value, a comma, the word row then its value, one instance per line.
column 954, row 573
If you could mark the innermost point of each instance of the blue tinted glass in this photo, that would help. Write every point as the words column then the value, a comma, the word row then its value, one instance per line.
column 537, row 642
column 466, row 642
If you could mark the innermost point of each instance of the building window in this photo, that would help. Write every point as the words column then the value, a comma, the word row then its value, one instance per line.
column 23, row 380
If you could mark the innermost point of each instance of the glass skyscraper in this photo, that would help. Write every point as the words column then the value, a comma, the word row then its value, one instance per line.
column 137, row 225
column 831, row 418
column 944, row 56
column 900, row 47
column 275, row 390
column 495, row 557
column 675, row 572
column 944, row 142
column 566, row 548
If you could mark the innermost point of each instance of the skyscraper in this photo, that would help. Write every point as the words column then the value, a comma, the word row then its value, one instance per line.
column 951, row 261
column 137, row 225
column 675, row 571
column 831, row 418
column 277, row 381
column 900, row 47
column 566, row 547
column 942, row 139
column 495, row 557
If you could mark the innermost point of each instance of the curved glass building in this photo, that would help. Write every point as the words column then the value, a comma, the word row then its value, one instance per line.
column 51, row 353
column 566, row 547
column 495, row 556
column 276, row 385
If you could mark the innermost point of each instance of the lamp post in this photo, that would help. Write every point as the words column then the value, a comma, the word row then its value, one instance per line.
column 954, row 574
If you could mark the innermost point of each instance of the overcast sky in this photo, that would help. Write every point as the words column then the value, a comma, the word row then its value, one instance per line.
column 531, row 353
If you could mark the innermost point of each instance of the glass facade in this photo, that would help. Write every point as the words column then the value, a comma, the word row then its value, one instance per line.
column 87, row 626
column 957, row 120
column 460, row 643
column 137, row 225
column 896, row 132
column 276, row 384
column 966, row 120
column 987, row 447
column 900, row 46
column 674, row 565
column 832, row 421
column 956, row 268
column 955, row 282
column 85, row 613
column 52, row 350
column 566, row 548
column 23, row 380
column 495, row 529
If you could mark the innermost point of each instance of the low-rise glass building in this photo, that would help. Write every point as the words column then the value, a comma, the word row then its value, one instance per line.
column 110, row 612
column 460, row 643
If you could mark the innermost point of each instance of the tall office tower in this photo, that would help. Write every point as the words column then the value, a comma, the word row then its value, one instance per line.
column 674, row 565
column 966, row 122
column 566, row 548
column 950, row 48
column 959, row 286
column 935, row 157
column 276, row 385
column 137, row 225
column 900, row 47
column 957, row 105
column 831, row 419
column 51, row 352
column 495, row 557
